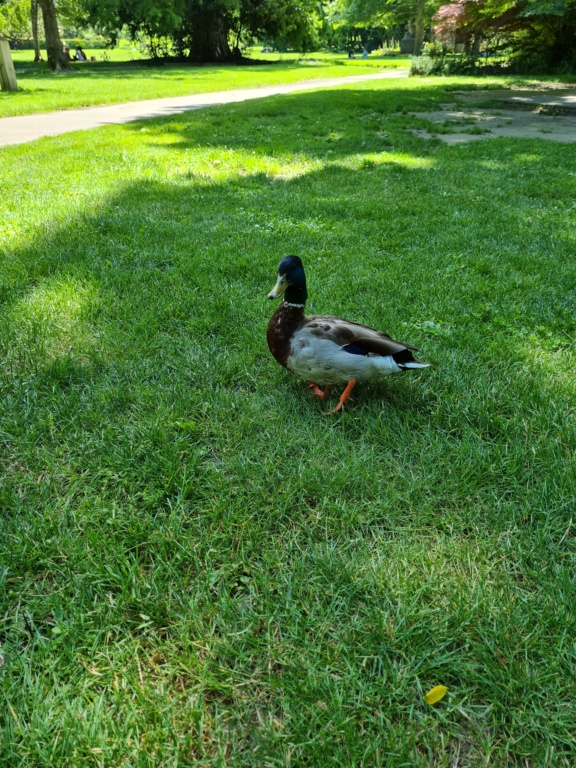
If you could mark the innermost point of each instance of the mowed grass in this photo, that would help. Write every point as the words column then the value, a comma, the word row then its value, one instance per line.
column 128, row 51
column 113, row 82
column 198, row 566
column 125, row 51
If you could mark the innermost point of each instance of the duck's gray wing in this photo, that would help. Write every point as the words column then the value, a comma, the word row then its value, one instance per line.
column 359, row 338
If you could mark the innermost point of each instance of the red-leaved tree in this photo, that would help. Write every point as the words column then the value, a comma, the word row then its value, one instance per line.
column 542, row 31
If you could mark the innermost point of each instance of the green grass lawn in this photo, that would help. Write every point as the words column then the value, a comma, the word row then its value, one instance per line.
column 125, row 51
column 128, row 51
column 198, row 567
column 119, row 80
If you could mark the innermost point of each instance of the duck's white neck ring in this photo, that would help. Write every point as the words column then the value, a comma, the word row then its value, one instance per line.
column 297, row 306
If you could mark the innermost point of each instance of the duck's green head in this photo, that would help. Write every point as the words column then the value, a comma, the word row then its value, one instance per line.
column 291, row 281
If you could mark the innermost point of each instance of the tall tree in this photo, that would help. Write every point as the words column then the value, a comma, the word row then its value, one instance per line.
column 34, row 24
column 57, row 60
column 542, row 32
column 416, row 14
column 205, row 30
column 419, row 20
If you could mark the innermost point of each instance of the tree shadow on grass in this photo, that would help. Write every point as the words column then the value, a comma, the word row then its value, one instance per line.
column 490, row 197
column 151, row 312
column 337, row 122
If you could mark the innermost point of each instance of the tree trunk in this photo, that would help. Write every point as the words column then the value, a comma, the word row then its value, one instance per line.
column 207, row 38
column 419, row 27
column 563, row 49
column 56, row 58
column 34, row 23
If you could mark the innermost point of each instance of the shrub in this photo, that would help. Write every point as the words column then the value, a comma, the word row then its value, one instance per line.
column 436, row 61
column 425, row 65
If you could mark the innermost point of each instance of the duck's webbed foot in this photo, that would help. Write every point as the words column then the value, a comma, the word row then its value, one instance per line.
column 344, row 397
column 316, row 391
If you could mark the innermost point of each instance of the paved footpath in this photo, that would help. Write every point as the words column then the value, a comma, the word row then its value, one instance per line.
column 24, row 128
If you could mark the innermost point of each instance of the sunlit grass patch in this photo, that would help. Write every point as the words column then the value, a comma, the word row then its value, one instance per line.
column 374, row 159
column 111, row 83
column 50, row 328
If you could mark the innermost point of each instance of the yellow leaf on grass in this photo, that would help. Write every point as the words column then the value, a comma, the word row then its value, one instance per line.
column 436, row 694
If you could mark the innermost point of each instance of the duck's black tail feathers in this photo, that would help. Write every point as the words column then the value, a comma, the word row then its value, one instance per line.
column 405, row 360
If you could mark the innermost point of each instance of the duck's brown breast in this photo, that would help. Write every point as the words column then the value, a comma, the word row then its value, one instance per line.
column 282, row 326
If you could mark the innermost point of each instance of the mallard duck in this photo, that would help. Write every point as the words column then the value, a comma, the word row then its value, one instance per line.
column 327, row 350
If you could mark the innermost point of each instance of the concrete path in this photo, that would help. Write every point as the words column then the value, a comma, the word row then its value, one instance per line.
column 559, row 95
column 19, row 130
column 477, row 124
column 548, row 112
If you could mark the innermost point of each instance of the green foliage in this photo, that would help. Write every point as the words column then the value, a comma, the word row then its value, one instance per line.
column 340, row 36
column 538, row 35
column 426, row 65
column 298, row 31
column 560, row 8
column 72, row 12
column 14, row 18
column 385, row 13
column 210, row 29
column 437, row 59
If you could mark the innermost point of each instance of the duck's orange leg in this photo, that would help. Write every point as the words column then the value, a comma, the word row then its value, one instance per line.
column 344, row 397
column 316, row 391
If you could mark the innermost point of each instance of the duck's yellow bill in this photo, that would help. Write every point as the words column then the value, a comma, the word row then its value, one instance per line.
column 279, row 288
